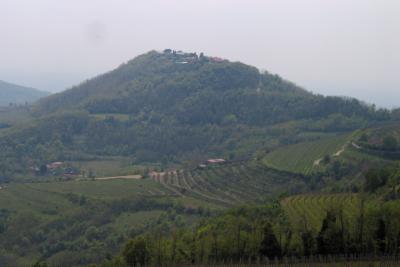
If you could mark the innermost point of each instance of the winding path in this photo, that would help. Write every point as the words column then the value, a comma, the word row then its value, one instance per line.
column 337, row 154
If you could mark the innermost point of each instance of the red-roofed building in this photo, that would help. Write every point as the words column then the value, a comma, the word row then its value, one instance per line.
column 217, row 59
column 215, row 161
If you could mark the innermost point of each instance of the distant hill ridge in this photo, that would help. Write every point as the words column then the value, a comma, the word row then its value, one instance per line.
column 17, row 94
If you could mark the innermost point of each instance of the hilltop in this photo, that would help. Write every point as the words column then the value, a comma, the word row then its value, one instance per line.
column 197, row 90
column 16, row 94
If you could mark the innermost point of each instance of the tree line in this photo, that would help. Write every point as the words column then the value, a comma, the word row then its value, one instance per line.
column 260, row 234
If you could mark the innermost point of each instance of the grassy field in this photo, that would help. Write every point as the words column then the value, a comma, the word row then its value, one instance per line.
column 21, row 198
column 107, row 166
column 107, row 189
column 51, row 201
column 303, row 157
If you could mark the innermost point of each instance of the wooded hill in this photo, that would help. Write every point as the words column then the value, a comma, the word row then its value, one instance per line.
column 175, row 107
column 318, row 175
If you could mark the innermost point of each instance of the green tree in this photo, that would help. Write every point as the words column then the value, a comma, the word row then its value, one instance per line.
column 330, row 238
column 364, row 138
column 269, row 245
column 380, row 236
column 308, row 242
column 375, row 178
column 390, row 143
column 136, row 252
column 43, row 169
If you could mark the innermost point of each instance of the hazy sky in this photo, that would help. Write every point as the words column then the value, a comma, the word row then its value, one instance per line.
column 335, row 47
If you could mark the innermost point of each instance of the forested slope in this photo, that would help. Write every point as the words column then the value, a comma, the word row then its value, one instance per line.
column 169, row 107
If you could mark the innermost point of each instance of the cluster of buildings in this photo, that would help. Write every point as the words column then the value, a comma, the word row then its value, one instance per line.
column 57, row 168
column 185, row 58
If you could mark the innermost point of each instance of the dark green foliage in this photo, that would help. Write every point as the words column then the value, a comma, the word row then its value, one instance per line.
column 363, row 137
column 4, row 217
column 308, row 242
column 375, row 178
column 380, row 236
column 329, row 239
column 326, row 159
column 390, row 143
column 136, row 252
column 269, row 245
column 43, row 169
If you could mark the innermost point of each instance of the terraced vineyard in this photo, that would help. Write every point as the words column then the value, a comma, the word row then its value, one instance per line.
column 311, row 209
column 230, row 184
column 305, row 157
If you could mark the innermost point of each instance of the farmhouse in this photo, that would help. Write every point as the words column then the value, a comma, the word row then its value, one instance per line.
column 55, row 165
column 211, row 162
column 215, row 161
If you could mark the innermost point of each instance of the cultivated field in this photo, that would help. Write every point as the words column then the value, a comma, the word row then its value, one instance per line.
column 50, row 201
column 229, row 184
column 107, row 167
column 305, row 157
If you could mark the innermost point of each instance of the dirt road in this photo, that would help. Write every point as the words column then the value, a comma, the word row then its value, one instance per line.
column 132, row 177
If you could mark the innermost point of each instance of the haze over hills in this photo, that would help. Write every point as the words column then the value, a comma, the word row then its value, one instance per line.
column 16, row 94
column 272, row 140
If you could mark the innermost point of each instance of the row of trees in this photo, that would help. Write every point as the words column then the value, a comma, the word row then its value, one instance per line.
column 252, row 234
